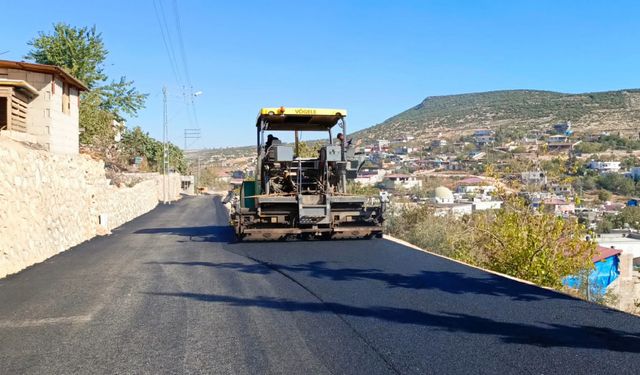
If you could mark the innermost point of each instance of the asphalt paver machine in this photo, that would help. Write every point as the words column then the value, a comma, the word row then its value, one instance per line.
column 304, row 197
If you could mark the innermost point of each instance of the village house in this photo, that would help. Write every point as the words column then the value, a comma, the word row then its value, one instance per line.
column 604, row 166
column 474, row 186
column 533, row 178
column 438, row 143
column 558, row 139
column 559, row 143
column 628, row 242
column 563, row 128
column 483, row 137
column 404, row 150
column 370, row 177
column 562, row 190
column 559, row 207
column 480, row 204
column 455, row 209
column 382, row 144
column 401, row 181
column 40, row 104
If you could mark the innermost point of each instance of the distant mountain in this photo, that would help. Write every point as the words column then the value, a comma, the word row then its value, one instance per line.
column 452, row 115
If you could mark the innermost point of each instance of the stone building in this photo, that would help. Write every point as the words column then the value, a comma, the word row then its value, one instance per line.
column 40, row 104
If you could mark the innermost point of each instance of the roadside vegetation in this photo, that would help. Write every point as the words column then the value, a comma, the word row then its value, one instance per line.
column 533, row 245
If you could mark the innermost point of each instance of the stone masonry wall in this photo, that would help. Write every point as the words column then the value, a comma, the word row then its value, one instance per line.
column 49, row 203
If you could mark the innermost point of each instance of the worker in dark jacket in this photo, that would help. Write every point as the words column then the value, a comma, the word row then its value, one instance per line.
column 270, row 140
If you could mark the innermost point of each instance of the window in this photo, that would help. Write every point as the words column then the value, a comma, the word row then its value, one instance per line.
column 66, row 104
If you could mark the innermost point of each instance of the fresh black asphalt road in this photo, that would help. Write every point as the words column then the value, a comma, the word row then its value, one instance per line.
column 170, row 292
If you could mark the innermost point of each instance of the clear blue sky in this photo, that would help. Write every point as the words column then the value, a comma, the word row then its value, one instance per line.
column 375, row 58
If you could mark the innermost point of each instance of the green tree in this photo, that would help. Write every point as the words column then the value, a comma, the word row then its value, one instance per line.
column 78, row 50
column 605, row 225
column 97, row 124
column 308, row 150
column 176, row 158
column 136, row 142
column 604, row 196
column 629, row 162
column 81, row 52
column 532, row 245
column 210, row 178
column 616, row 183
column 419, row 226
column 629, row 216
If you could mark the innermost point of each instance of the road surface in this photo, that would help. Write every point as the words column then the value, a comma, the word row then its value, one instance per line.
column 171, row 293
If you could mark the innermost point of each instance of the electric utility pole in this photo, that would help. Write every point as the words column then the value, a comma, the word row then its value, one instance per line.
column 195, row 135
column 165, row 156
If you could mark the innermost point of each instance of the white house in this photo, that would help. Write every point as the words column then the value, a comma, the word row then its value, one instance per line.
column 481, row 205
column 455, row 209
column 401, row 181
column 382, row 143
column 533, row 178
column 604, row 166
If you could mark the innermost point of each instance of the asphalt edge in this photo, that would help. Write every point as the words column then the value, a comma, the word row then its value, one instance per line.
column 408, row 244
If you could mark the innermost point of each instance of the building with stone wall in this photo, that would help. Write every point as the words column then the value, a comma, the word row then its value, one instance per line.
column 40, row 104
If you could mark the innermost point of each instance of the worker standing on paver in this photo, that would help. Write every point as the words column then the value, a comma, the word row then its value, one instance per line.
column 270, row 140
column 349, row 147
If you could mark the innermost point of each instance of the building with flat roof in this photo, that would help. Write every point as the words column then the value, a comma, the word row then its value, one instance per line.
column 40, row 104
column 401, row 181
column 604, row 166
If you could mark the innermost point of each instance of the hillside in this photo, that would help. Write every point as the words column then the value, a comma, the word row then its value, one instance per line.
column 527, row 109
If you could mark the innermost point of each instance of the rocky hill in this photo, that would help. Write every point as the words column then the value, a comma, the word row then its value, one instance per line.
column 451, row 115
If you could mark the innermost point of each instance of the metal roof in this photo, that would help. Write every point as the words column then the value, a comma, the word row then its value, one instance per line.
column 603, row 253
column 42, row 68
column 304, row 119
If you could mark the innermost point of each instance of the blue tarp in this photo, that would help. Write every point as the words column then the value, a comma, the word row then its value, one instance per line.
column 605, row 272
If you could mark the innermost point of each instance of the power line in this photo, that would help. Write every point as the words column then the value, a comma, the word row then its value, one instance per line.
column 185, row 64
column 166, row 40
column 178, row 61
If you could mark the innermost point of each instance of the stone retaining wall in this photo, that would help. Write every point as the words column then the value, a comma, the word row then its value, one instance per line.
column 49, row 203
